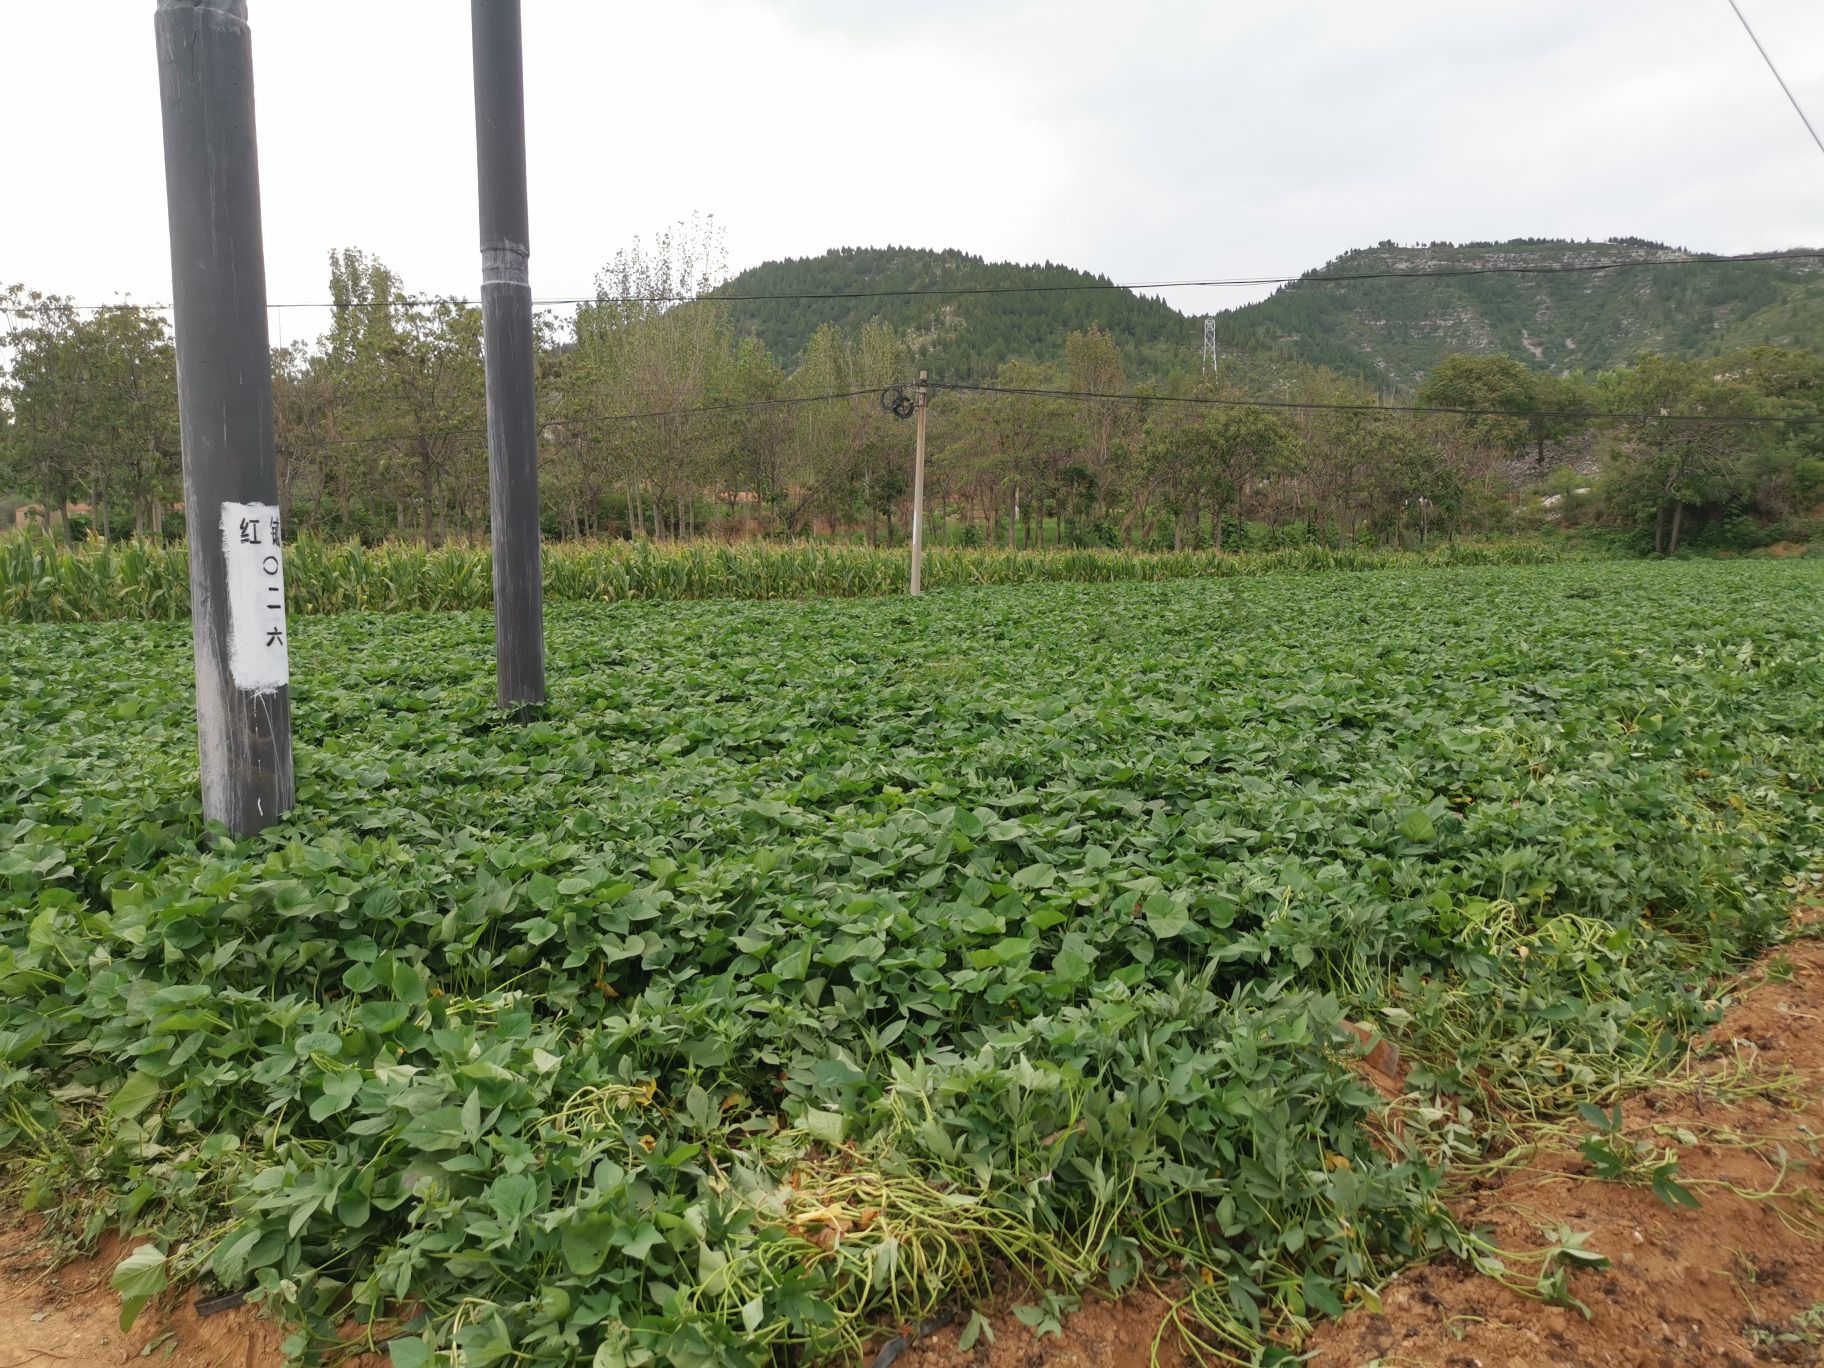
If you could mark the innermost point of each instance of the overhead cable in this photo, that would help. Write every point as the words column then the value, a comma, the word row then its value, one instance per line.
column 949, row 291
column 1314, row 406
column 1796, row 106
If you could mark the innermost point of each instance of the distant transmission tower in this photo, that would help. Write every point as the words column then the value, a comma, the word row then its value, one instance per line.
column 1211, row 360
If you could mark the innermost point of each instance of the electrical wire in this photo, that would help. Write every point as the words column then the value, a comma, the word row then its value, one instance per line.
column 1072, row 287
column 1797, row 107
column 1313, row 406
column 1312, row 278
column 787, row 401
column 583, row 420
column 784, row 401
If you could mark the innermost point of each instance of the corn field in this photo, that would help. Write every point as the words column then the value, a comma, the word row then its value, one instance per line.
column 42, row 580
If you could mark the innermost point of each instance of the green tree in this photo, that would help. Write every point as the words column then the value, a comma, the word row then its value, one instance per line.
column 1678, row 447
column 1505, row 391
column 91, row 407
column 1787, row 468
column 1092, row 365
column 1027, row 432
column 649, row 344
column 1233, row 448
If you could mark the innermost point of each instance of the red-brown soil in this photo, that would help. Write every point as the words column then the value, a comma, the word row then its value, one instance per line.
column 1736, row 1281
column 69, row 1318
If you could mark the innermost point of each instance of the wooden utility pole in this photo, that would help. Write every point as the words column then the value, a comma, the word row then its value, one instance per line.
column 918, row 493
column 506, row 319
column 224, row 397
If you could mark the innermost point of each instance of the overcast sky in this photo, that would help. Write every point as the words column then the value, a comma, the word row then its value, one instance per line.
column 1149, row 140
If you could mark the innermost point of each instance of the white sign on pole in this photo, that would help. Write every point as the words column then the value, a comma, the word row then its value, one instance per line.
column 258, row 659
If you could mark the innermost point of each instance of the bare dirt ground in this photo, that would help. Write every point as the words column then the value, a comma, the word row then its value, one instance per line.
column 69, row 1318
column 1738, row 1280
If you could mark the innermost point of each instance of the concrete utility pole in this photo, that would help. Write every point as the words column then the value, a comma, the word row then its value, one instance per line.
column 918, row 493
column 506, row 317
column 224, row 398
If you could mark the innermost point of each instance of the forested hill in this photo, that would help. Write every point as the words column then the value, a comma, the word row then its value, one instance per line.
column 1389, row 332
column 962, row 335
column 1393, row 331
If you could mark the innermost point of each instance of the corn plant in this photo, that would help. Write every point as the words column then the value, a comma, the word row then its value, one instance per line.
column 46, row 581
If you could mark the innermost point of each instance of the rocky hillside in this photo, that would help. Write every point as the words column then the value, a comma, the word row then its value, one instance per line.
column 1392, row 331
column 1387, row 331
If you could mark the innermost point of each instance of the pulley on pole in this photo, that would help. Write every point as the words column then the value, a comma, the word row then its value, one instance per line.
column 224, row 397
column 506, row 315
column 897, row 402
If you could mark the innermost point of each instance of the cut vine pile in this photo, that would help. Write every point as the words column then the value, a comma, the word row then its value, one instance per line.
column 811, row 965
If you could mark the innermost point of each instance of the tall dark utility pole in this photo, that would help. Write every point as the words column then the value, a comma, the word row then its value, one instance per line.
column 224, row 397
column 506, row 316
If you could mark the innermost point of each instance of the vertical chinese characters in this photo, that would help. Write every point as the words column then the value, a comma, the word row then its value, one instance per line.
column 254, row 549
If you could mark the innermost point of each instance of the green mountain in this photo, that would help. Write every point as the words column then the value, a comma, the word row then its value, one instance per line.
column 962, row 335
column 1796, row 321
column 1393, row 331
column 1387, row 331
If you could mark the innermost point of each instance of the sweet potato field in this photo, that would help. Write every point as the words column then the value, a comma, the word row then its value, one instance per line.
column 812, row 964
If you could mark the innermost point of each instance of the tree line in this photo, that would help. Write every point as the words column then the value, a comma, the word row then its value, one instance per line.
column 663, row 420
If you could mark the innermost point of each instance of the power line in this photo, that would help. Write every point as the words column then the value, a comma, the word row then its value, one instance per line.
column 585, row 420
column 1313, row 406
column 1575, row 268
column 784, row 401
column 1797, row 108
column 949, row 291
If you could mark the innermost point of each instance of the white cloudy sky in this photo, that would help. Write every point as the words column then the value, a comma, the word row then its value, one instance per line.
column 1152, row 139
